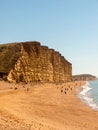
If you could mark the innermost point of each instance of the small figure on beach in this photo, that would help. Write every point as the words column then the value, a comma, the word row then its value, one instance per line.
column 23, row 86
column 15, row 88
column 61, row 90
column 67, row 89
column 62, row 87
column 27, row 89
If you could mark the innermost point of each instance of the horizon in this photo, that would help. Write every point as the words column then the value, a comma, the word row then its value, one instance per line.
column 70, row 27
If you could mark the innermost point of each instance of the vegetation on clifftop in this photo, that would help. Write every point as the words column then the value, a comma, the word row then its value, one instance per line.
column 83, row 77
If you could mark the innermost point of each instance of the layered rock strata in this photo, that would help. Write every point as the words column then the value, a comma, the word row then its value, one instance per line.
column 30, row 62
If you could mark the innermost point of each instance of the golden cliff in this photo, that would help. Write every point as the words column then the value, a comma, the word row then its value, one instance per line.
column 30, row 62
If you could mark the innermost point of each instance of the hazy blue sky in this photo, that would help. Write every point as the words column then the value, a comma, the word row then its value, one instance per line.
column 68, row 26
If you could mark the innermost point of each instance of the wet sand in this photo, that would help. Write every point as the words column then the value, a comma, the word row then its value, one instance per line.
column 44, row 107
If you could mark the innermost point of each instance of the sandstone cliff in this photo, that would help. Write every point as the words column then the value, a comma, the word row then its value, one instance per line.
column 30, row 62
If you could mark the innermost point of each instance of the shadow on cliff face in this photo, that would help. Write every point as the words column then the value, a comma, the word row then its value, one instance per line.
column 3, row 76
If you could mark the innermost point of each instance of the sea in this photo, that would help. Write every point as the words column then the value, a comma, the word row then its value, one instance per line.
column 89, row 94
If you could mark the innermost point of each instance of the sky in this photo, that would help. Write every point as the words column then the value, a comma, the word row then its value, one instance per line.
column 68, row 26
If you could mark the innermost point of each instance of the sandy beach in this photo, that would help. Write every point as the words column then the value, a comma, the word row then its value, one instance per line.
column 44, row 107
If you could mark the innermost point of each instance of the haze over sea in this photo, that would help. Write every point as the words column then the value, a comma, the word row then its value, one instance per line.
column 89, row 94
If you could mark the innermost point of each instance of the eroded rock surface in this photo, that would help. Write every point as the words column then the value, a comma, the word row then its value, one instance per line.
column 30, row 62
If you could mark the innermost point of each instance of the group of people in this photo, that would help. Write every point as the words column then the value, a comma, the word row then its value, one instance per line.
column 66, row 89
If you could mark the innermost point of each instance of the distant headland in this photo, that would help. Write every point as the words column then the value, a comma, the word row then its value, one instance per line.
column 85, row 77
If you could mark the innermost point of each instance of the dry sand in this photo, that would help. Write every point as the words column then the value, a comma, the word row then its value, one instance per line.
column 44, row 107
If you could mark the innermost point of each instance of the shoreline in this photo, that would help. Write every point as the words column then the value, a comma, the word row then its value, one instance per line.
column 88, row 100
column 44, row 107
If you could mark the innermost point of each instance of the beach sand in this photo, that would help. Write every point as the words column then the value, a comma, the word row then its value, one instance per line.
column 44, row 107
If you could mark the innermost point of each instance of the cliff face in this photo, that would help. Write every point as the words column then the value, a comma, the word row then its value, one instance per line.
column 31, row 62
